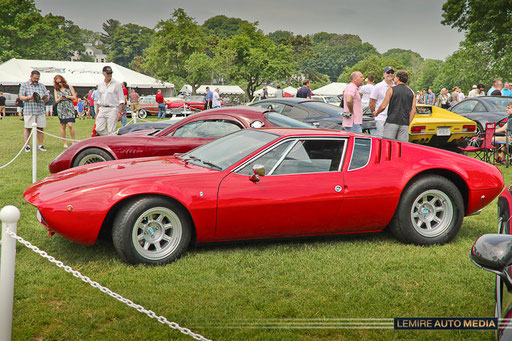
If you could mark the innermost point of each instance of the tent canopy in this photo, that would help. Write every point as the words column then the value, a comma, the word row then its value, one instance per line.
column 291, row 90
column 79, row 74
column 270, row 89
column 333, row 89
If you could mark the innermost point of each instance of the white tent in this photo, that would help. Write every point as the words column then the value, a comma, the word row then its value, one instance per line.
column 79, row 74
column 291, row 90
column 223, row 89
column 270, row 89
column 333, row 89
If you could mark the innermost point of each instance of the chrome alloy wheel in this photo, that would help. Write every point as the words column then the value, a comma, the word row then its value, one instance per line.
column 156, row 233
column 91, row 158
column 431, row 213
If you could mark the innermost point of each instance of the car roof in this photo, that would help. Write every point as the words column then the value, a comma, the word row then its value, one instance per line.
column 249, row 112
column 295, row 100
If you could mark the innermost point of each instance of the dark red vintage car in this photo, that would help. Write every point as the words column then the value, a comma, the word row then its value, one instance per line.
column 266, row 183
column 183, row 136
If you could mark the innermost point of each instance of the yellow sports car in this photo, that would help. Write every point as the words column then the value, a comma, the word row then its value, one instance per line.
column 436, row 126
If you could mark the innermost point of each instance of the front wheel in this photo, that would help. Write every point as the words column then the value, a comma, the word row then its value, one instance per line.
column 430, row 212
column 142, row 113
column 151, row 230
column 91, row 155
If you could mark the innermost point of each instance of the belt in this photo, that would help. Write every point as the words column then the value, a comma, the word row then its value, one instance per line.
column 107, row 106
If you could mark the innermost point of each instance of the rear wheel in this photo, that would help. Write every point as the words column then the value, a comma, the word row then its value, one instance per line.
column 91, row 155
column 430, row 212
column 151, row 230
column 142, row 113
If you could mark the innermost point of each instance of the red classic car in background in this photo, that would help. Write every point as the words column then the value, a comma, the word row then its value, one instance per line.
column 183, row 136
column 266, row 183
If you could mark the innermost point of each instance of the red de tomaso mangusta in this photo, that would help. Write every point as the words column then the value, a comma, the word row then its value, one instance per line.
column 266, row 183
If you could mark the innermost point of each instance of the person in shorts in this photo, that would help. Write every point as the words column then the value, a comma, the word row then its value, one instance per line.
column 2, row 105
column 34, row 95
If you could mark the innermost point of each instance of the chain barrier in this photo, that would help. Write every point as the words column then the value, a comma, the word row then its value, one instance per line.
column 62, row 138
column 106, row 290
column 21, row 150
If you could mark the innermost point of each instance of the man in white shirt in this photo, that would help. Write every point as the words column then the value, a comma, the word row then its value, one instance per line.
column 366, row 91
column 473, row 92
column 110, row 104
column 377, row 97
column 216, row 102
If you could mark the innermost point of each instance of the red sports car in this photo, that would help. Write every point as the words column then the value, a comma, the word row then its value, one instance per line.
column 183, row 136
column 266, row 183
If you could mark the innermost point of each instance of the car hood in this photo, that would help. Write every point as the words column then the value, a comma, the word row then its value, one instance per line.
column 111, row 173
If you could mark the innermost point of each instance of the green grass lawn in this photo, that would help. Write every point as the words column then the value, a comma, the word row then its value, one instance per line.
column 238, row 291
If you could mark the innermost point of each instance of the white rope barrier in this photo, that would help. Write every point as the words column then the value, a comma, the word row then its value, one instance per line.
column 62, row 138
column 21, row 150
column 8, row 214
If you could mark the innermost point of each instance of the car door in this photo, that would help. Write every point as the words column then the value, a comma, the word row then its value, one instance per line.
column 192, row 134
column 301, row 194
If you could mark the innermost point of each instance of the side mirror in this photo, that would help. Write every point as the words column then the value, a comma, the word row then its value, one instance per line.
column 493, row 252
column 316, row 124
column 258, row 170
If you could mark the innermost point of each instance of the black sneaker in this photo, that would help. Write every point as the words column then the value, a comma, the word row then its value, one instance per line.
column 41, row 148
column 27, row 148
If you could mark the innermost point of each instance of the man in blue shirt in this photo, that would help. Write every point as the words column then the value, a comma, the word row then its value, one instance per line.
column 209, row 96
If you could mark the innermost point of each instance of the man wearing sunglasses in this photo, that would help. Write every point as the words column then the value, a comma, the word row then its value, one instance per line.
column 377, row 97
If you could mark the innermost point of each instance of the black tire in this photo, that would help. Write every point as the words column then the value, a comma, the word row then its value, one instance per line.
column 430, row 201
column 142, row 113
column 91, row 155
column 151, row 230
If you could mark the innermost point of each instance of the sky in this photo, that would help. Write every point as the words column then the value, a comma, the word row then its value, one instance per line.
column 407, row 24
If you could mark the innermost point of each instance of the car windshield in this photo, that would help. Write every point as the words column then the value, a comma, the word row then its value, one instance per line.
column 228, row 150
column 499, row 102
column 279, row 120
column 328, row 109
column 332, row 99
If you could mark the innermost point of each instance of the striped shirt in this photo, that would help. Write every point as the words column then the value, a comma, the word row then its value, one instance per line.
column 32, row 107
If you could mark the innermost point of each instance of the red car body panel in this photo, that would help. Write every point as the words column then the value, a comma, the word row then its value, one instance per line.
column 144, row 143
column 225, row 205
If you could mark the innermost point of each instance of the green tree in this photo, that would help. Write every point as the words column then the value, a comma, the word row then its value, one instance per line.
column 173, row 42
column 24, row 33
column 429, row 71
column 257, row 59
column 199, row 68
column 373, row 65
column 483, row 21
column 127, row 42
column 223, row 26
column 337, row 52
column 109, row 27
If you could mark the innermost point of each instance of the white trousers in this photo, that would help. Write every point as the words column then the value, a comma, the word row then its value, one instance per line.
column 107, row 116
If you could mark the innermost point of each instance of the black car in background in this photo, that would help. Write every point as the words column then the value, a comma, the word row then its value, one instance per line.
column 313, row 112
column 483, row 110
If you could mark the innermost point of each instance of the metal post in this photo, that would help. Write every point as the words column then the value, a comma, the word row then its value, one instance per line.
column 9, row 216
column 34, row 152
column 134, row 116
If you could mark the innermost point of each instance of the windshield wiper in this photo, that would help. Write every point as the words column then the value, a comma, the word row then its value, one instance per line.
column 191, row 157
column 209, row 163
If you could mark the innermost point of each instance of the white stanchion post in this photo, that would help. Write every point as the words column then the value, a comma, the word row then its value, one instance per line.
column 9, row 216
column 34, row 152
column 134, row 116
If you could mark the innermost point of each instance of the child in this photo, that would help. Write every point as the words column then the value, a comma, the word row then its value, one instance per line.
column 80, row 107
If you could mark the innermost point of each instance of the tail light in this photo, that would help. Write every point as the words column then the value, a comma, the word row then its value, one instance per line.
column 418, row 129
column 469, row 128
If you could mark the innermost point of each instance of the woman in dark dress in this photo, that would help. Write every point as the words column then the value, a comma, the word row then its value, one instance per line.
column 64, row 95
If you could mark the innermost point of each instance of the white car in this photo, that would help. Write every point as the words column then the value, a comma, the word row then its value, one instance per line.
column 334, row 100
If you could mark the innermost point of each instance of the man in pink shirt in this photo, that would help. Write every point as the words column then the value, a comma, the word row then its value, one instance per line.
column 352, row 109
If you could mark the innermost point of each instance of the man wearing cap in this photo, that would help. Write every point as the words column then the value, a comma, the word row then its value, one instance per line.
column 377, row 97
column 34, row 94
column 401, row 109
column 473, row 92
column 110, row 104
column 279, row 92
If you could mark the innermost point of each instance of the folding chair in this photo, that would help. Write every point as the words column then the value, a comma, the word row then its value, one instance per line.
column 486, row 148
column 508, row 141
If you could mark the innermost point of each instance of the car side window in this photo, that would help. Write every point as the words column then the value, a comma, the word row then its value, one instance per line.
column 465, row 106
column 361, row 153
column 207, row 128
column 296, row 113
column 312, row 156
column 479, row 107
column 268, row 159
